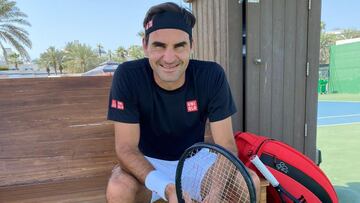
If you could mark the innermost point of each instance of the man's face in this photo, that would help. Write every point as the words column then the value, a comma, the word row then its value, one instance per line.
column 168, row 51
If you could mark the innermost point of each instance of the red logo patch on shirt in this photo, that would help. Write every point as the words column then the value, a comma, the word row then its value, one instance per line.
column 120, row 105
column 117, row 104
column 191, row 106
column 113, row 103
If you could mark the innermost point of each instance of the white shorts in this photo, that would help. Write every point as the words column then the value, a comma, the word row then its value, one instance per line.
column 168, row 168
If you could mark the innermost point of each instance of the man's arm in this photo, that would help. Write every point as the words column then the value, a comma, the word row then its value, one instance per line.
column 222, row 134
column 127, row 138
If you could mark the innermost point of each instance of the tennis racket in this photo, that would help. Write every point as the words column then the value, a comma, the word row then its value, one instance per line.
column 272, row 180
column 208, row 173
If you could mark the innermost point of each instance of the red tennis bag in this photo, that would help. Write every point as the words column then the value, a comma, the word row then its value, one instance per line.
column 298, row 174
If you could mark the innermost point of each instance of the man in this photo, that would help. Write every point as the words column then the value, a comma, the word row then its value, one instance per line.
column 160, row 105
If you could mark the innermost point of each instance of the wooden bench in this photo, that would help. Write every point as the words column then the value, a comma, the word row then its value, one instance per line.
column 55, row 142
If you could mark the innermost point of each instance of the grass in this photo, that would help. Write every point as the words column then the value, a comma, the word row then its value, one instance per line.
column 339, row 146
column 339, row 97
column 340, row 153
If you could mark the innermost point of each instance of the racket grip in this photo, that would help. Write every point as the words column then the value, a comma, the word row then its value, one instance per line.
column 264, row 171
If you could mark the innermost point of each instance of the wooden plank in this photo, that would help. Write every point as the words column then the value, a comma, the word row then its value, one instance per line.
column 224, row 35
column 200, row 19
column 52, row 169
column 277, row 78
column 312, row 79
column 266, row 68
column 91, row 190
column 263, row 187
column 217, row 31
column 195, row 30
column 54, row 129
column 210, row 35
column 289, row 71
column 85, row 147
column 300, row 71
column 236, row 61
column 252, row 80
column 205, row 30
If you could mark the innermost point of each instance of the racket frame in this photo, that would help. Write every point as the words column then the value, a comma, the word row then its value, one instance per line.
column 231, row 157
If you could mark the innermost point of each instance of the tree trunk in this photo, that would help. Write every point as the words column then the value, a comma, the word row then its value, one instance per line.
column 55, row 68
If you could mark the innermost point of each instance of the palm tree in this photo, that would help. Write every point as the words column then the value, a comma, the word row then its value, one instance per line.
column 141, row 34
column 52, row 58
column 135, row 52
column 100, row 49
column 121, row 54
column 79, row 56
column 350, row 33
column 14, row 59
column 109, row 55
column 326, row 40
column 11, row 32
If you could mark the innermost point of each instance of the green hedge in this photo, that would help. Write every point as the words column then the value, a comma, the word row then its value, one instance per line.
column 4, row 68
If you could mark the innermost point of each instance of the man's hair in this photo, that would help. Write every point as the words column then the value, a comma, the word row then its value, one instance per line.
column 172, row 7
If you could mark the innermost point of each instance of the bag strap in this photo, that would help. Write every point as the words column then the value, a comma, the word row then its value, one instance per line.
column 256, row 141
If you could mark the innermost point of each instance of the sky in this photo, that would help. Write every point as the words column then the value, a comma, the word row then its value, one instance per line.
column 340, row 14
column 114, row 23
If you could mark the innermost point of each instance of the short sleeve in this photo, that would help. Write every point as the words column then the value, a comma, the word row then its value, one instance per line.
column 122, row 98
column 221, row 104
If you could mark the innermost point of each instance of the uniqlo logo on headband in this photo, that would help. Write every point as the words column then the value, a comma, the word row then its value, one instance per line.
column 149, row 25
column 117, row 104
column 191, row 106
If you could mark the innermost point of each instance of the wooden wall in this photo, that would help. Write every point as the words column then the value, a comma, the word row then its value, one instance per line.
column 54, row 129
column 278, row 97
column 216, row 34
column 277, row 86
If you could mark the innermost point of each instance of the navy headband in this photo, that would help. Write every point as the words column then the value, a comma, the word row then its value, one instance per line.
column 168, row 20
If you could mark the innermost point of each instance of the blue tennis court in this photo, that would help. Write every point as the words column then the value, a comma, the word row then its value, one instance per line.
column 338, row 113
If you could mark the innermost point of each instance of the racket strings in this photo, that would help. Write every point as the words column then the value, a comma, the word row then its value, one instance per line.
column 212, row 178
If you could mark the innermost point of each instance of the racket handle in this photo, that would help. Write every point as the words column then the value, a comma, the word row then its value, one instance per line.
column 264, row 171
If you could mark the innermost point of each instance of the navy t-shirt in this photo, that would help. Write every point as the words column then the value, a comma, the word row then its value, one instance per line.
column 170, row 121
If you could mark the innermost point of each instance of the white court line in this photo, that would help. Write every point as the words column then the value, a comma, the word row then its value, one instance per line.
column 341, row 116
column 338, row 124
column 338, row 101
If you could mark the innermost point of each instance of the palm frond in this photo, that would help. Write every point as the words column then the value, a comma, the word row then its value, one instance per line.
column 18, row 21
column 4, row 52
column 10, row 32
column 18, row 46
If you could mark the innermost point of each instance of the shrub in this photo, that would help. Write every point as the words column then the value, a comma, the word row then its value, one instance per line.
column 2, row 67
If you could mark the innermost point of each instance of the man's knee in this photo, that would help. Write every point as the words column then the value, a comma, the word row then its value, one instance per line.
column 256, row 181
column 123, row 186
column 121, row 179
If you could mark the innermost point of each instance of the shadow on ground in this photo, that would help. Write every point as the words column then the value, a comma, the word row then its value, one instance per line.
column 349, row 193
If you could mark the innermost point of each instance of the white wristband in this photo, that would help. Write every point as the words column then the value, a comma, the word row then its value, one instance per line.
column 157, row 182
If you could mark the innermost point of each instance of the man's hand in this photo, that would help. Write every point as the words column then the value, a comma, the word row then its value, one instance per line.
column 170, row 193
